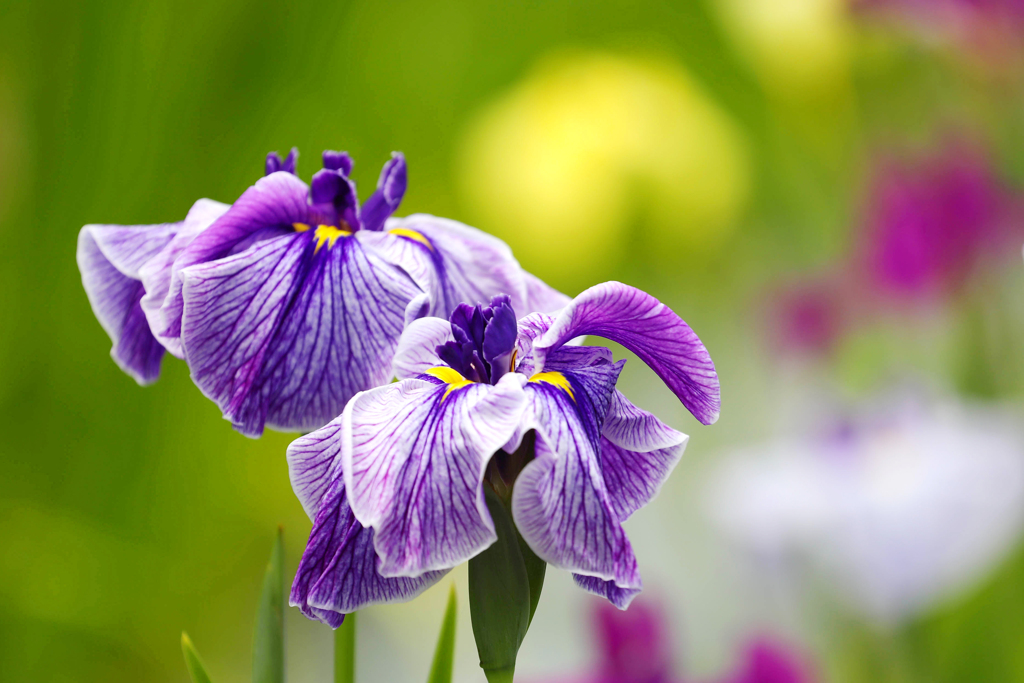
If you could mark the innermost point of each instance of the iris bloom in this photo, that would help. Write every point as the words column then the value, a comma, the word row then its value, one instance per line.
column 896, row 510
column 395, row 485
column 294, row 298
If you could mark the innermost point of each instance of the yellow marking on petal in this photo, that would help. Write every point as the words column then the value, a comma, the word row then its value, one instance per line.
column 512, row 361
column 413, row 235
column 328, row 234
column 300, row 227
column 555, row 379
column 451, row 377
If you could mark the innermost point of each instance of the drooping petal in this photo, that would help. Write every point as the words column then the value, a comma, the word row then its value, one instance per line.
column 560, row 503
column 109, row 258
column 268, row 208
column 453, row 262
column 542, row 297
column 338, row 571
column 390, row 191
column 163, row 315
column 649, row 329
column 637, row 454
column 620, row 597
column 287, row 331
column 414, row 455
column 416, row 352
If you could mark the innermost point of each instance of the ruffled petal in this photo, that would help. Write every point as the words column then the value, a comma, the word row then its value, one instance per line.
column 560, row 503
column 268, row 208
column 390, row 190
column 414, row 455
column 453, row 262
column 416, row 352
column 338, row 571
column 162, row 310
column 649, row 329
column 109, row 258
column 638, row 452
column 287, row 331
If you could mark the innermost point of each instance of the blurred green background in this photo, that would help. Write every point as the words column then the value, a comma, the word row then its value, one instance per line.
column 703, row 150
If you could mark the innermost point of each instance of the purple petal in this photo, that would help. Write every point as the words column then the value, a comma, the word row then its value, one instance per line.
column 561, row 504
column 313, row 464
column 453, row 262
column 285, row 333
column 390, row 190
column 337, row 161
column 541, row 297
column 414, row 455
column 649, row 329
column 163, row 311
column 416, row 348
column 334, row 195
column 620, row 597
column 274, row 162
column 109, row 258
column 338, row 571
column 269, row 207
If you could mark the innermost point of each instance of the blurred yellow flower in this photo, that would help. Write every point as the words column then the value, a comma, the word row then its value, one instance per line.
column 591, row 145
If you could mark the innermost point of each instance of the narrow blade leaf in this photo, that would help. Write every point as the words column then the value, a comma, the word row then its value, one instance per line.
column 268, row 639
column 441, row 669
column 192, row 662
column 499, row 596
column 345, row 650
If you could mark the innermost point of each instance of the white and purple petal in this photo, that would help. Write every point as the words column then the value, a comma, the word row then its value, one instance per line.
column 414, row 455
column 338, row 571
column 561, row 503
column 163, row 316
column 648, row 328
column 417, row 348
column 285, row 332
column 109, row 258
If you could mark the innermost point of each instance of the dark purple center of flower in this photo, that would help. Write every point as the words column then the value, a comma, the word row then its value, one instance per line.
column 485, row 337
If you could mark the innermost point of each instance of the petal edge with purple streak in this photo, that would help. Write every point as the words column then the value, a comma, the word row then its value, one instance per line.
column 648, row 328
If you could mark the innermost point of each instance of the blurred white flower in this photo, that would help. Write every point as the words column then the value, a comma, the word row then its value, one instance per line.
column 564, row 164
column 894, row 510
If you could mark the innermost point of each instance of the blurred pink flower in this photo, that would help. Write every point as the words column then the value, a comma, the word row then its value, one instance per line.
column 930, row 221
column 634, row 647
column 807, row 316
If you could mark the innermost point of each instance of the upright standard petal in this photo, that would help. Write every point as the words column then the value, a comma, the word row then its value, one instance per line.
column 287, row 331
column 164, row 318
column 561, row 503
column 109, row 258
column 268, row 208
column 390, row 190
column 338, row 571
column 417, row 348
column 542, row 297
column 414, row 455
column 652, row 331
column 453, row 262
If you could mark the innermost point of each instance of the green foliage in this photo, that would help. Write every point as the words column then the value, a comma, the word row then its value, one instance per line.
column 192, row 662
column 268, row 639
column 499, row 596
column 441, row 668
column 345, row 650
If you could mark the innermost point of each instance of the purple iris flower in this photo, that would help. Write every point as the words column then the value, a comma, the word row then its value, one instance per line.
column 294, row 298
column 124, row 268
column 395, row 485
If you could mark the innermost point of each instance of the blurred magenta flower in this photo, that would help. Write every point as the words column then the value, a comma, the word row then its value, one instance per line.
column 292, row 300
column 395, row 485
column 634, row 646
column 807, row 316
column 931, row 221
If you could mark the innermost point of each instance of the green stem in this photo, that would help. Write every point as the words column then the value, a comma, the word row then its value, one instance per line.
column 499, row 675
column 345, row 650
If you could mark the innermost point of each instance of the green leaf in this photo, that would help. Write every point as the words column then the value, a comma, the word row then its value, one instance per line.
column 499, row 597
column 441, row 669
column 535, row 570
column 345, row 650
column 192, row 662
column 268, row 639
